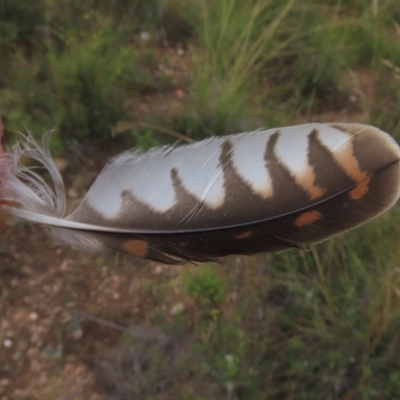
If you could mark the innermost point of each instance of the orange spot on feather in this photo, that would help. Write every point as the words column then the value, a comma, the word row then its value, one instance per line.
column 360, row 190
column 136, row 247
column 307, row 218
column 315, row 192
column 244, row 235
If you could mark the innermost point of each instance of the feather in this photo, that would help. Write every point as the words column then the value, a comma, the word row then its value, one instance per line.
column 263, row 191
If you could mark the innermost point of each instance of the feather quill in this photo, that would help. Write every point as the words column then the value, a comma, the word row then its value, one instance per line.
column 262, row 191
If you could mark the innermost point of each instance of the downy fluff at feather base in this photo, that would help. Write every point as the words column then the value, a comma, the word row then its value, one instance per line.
column 262, row 191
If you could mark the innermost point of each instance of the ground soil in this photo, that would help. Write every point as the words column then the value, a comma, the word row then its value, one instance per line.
column 61, row 309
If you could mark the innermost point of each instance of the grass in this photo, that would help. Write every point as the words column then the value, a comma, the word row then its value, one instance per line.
column 60, row 83
column 237, row 40
column 90, row 99
column 299, row 325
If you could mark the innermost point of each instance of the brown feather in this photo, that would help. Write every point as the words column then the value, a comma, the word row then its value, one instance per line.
column 349, row 175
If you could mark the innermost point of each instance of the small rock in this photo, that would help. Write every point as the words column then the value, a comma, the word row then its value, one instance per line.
column 158, row 270
column 179, row 93
column 65, row 264
column 33, row 316
column 177, row 308
column 145, row 36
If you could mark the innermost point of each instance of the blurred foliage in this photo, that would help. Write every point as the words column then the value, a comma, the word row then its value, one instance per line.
column 206, row 286
column 298, row 325
column 20, row 26
column 73, row 65
column 90, row 96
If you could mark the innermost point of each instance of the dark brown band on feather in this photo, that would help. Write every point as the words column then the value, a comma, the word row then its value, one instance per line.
column 328, row 173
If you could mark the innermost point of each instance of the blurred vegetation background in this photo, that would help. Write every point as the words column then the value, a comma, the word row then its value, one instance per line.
column 304, row 325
